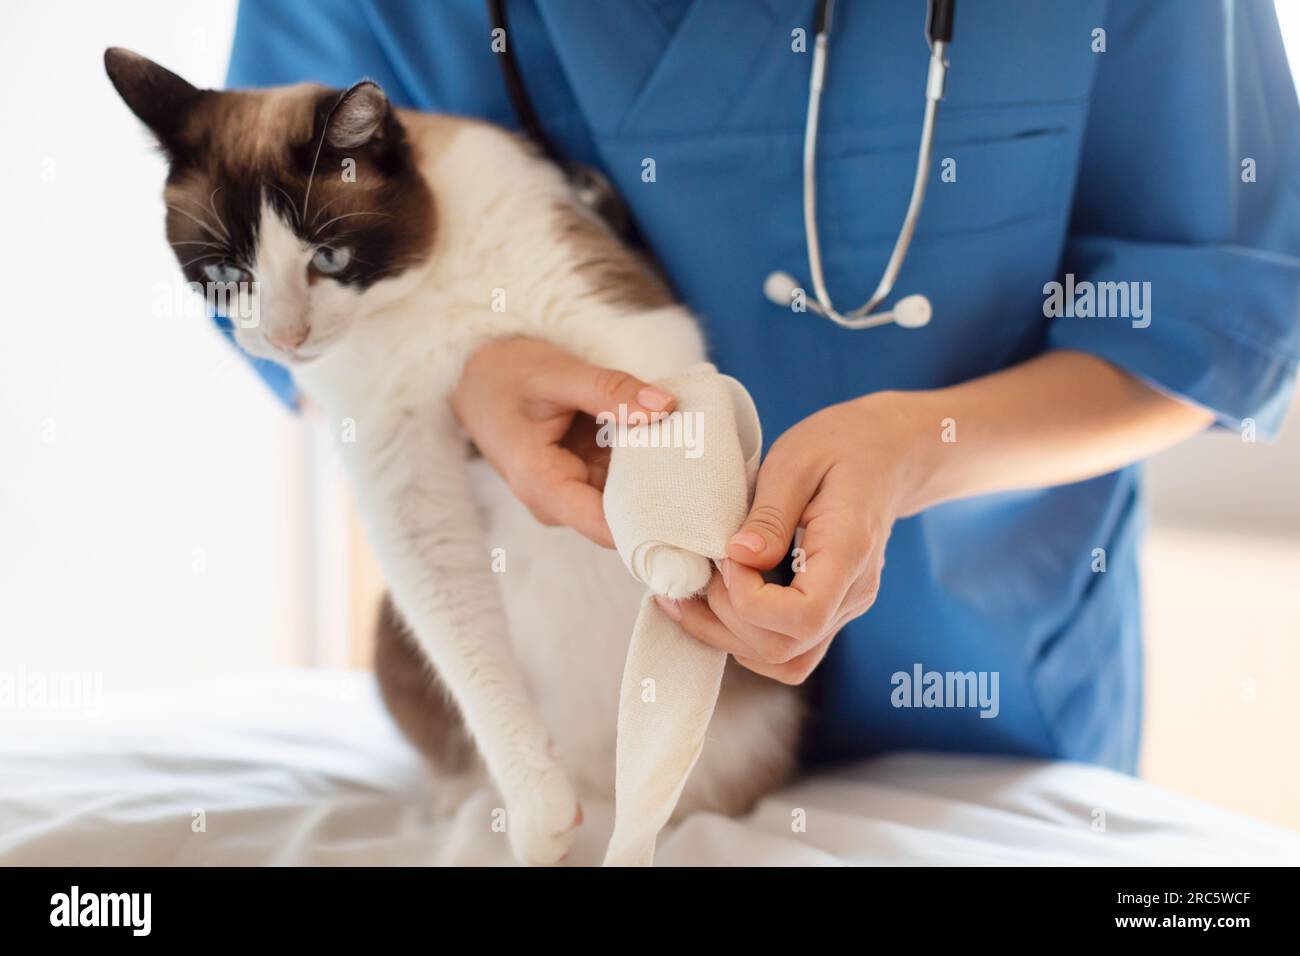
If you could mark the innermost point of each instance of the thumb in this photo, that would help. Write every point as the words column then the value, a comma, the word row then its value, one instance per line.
column 780, row 498
column 596, row 390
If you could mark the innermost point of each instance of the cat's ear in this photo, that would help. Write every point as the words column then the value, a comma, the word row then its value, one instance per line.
column 358, row 118
column 160, row 98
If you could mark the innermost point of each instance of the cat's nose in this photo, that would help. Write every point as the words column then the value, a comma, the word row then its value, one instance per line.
column 288, row 339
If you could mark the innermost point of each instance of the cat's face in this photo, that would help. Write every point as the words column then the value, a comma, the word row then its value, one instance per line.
column 308, row 197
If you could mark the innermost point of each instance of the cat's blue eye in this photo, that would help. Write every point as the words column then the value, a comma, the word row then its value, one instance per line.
column 225, row 272
column 330, row 260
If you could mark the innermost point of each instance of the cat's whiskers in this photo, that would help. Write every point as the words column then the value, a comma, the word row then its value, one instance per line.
column 196, row 242
column 346, row 215
column 224, row 231
column 206, row 255
column 321, row 211
column 306, row 196
column 205, row 226
column 288, row 200
column 204, row 210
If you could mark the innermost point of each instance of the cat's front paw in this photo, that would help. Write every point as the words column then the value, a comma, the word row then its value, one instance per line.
column 543, row 819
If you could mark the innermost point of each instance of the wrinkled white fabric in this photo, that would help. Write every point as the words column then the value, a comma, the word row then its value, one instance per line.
column 305, row 768
column 677, row 490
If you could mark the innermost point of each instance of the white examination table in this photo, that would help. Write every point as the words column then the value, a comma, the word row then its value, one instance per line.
column 302, row 767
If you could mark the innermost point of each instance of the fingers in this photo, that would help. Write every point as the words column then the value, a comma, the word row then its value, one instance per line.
column 785, row 486
column 556, row 490
column 794, row 671
column 572, row 383
column 517, row 400
column 841, row 571
column 579, row 506
column 699, row 621
column 763, row 644
column 804, row 610
column 779, row 657
column 862, row 595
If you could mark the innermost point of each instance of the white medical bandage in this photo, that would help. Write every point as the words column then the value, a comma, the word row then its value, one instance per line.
column 671, row 511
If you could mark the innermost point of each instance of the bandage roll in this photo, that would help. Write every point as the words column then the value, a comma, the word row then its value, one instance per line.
column 676, row 492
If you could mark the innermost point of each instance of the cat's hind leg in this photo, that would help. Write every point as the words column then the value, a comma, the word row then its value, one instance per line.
column 424, row 712
column 420, row 706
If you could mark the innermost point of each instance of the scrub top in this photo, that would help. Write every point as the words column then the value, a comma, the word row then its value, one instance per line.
column 1115, row 142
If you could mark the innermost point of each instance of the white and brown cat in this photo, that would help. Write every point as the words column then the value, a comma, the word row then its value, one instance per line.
column 377, row 239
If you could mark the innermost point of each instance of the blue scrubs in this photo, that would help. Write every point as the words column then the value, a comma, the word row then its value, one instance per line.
column 1172, row 157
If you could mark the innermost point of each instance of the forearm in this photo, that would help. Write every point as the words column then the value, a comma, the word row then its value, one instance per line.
column 1060, row 417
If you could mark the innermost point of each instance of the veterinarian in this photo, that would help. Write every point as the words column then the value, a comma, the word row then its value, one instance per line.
column 1110, row 243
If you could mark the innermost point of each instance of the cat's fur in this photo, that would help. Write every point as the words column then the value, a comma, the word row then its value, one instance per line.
column 443, row 214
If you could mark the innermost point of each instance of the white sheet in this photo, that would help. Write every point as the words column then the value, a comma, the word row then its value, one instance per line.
column 302, row 767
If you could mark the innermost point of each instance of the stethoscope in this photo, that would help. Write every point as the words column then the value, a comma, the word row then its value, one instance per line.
column 595, row 191
column 910, row 312
column 591, row 187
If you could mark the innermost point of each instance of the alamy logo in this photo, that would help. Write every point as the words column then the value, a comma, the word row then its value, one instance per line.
column 74, row 692
column 239, row 302
column 102, row 909
column 1101, row 300
column 633, row 429
column 922, row 688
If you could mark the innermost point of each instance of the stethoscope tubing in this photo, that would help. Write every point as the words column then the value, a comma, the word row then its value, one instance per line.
column 913, row 311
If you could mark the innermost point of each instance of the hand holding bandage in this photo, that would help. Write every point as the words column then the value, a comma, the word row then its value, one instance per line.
column 671, row 514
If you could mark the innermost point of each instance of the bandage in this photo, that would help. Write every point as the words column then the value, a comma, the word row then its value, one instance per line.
column 671, row 510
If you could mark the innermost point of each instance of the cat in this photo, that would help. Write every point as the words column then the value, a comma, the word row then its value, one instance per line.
column 377, row 238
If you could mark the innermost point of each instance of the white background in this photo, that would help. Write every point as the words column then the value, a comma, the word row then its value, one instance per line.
column 162, row 526
column 160, row 515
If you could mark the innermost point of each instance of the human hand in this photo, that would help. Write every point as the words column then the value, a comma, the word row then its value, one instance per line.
column 843, row 475
column 531, row 409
